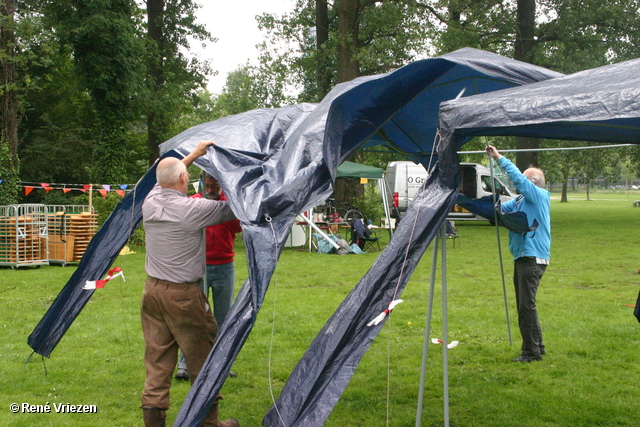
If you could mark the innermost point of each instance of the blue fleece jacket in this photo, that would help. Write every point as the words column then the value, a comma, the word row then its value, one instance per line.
column 536, row 203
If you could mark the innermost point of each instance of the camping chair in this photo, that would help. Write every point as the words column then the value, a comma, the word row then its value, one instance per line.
column 361, row 236
column 452, row 232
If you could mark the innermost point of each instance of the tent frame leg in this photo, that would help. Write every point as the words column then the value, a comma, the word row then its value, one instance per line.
column 427, row 331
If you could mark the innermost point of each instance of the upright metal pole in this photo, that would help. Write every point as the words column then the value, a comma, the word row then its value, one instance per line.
column 445, row 326
column 427, row 332
column 504, row 285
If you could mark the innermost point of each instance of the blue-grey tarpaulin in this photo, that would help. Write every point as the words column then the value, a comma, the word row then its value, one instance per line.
column 275, row 163
column 484, row 206
column 598, row 105
column 101, row 252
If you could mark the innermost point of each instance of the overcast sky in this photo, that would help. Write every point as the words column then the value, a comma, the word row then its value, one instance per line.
column 233, row 23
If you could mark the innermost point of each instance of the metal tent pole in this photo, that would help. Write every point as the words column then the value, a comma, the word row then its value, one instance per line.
column 504, row 285
column 445, row 332
column 382, row 185
column 427, row 332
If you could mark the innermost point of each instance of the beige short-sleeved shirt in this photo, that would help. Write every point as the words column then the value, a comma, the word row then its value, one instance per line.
column 173, row 226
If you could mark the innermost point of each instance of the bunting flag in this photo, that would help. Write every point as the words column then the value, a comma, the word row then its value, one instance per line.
column 1, row 181
column 196, row 186
column 97, row 284
column 452, row 344
column 30, row 186
column 380, row 317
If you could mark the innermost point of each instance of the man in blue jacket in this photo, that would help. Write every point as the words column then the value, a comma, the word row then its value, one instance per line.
column 530, row 251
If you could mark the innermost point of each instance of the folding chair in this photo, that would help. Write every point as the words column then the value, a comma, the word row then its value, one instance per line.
column 452, row 232
column 361, row 235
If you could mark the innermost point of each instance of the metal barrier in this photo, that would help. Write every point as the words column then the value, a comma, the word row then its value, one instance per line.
column 23, row 235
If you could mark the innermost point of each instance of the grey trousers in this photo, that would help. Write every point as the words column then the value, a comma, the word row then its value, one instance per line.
column 526, row 279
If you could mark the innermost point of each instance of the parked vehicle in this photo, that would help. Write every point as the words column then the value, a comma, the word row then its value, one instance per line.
column 403, row 178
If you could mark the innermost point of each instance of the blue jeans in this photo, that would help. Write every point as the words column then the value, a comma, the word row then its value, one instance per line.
column 221, row 280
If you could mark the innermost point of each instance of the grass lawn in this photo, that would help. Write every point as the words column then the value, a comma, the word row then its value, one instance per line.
column 589, row 376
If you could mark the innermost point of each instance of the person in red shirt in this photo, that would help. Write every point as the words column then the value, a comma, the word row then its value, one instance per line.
column 220, row 272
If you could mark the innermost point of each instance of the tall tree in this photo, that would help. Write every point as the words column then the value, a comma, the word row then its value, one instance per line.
column 9, row 99
column 107, row 49
column 322, row 39
column 173, row 77
column 524, row 51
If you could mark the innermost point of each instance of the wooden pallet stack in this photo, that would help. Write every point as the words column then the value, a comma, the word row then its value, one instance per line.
column 70, row 230
column 82, row 227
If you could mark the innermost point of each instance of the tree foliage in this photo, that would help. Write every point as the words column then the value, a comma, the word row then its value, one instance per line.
column 379, row 35
column 173, row 77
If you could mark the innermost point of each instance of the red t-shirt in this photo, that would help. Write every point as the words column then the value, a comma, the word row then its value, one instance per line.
column 220, row 239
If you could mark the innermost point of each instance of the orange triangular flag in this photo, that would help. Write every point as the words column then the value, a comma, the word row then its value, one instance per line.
column 47, row 189
column 27, row 190
column 120, row 193
column 66, row 190
column 43, row 185
column 103, row 192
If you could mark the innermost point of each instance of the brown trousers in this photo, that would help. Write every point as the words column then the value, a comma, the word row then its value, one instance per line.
column 174, row 315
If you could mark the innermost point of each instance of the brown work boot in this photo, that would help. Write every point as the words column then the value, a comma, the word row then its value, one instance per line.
column 153, row 417
column 211, row 419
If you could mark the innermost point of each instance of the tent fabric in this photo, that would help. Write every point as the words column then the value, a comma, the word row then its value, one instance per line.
column 275, row 163
column 356, row 170
column 319, row 379
column 484, row 206
column 598, row 105
column 101, row 252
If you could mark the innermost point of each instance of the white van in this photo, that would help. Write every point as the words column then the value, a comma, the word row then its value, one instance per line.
column 403, row 178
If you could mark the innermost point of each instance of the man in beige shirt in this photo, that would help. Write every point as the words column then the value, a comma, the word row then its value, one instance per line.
column 175, row 313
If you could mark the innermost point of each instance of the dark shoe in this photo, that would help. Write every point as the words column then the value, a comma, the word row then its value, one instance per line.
column 232, row 374
column 524, row 358
column 182, row 375
column 211, row 419
column 153, row 417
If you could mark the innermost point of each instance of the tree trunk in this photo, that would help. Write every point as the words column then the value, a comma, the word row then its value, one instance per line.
column 9, row 131
column 526, row 159
column 347, row 190
column 155, row 131
column 523, row 51
column 322, row 36
column 588, row 195
column 564, row 198
column 348, row 68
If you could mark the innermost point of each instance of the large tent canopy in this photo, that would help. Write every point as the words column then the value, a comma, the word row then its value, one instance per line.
column 601, row 104
column 356, row 170
column 275, row 163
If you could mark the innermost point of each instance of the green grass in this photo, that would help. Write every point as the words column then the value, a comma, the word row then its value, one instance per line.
column 589, row 377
